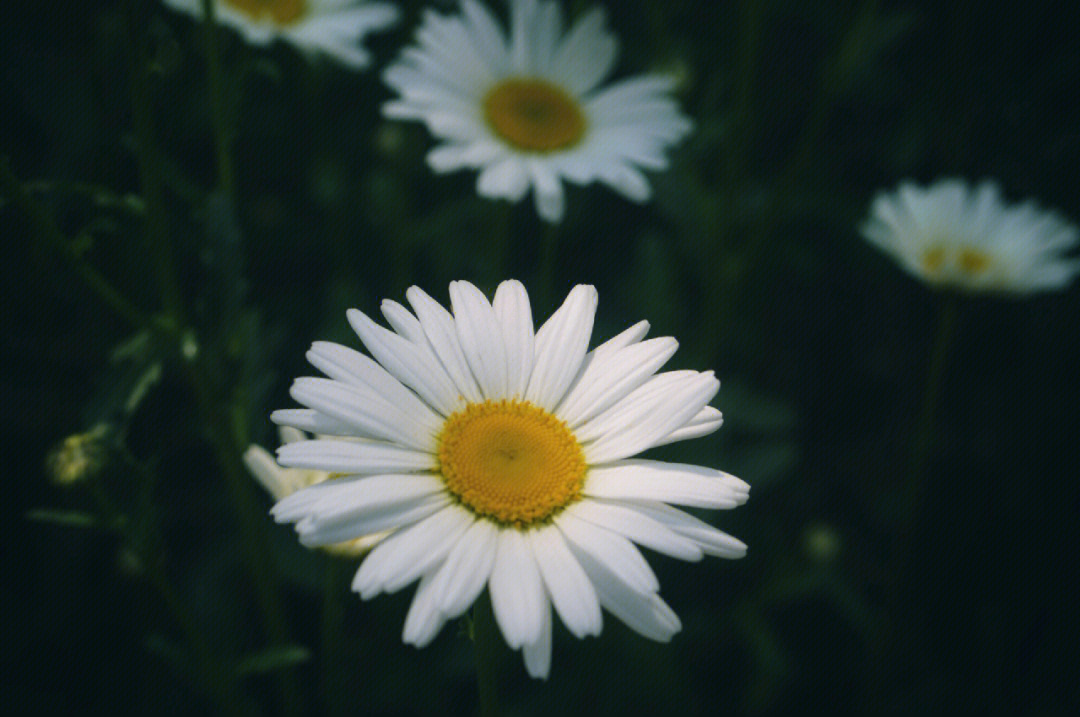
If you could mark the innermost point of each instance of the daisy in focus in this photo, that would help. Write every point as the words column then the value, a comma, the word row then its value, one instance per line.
column 527, row 109
column 280, row 482
column 967, row 238
column 331, row 27
column 503, row 457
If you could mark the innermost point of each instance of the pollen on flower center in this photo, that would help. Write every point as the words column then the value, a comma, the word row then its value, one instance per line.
column 966, row 260
column 511, row 461
column 534, row 115
column 281, row 12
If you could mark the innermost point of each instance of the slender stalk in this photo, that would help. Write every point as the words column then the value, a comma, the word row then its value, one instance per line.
column 218, row 107
column 158, row 246
column 486, row 640
column 549, row 250
column 922, row 437
column 332, row 679
column 213, row 674
column 46, row 229
column 216, row 414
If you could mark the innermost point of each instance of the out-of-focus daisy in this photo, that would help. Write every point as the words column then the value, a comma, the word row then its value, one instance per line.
column 967, row 238
column 528, row 109
column 280, row 482
column 331, row 27
column 503, row 458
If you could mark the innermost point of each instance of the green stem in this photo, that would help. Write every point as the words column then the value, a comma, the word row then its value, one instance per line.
column 215, row 412
column 46, row 229
column 486, row 640
column 158, row 246
column 549, row 250
column 213, row 674
column 218, row 107
column 922, row 437
column 331, row 676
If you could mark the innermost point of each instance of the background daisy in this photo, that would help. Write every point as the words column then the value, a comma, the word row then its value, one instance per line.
column 528, row 110
column 967, row 238
column 334, row 28
column 503, row 458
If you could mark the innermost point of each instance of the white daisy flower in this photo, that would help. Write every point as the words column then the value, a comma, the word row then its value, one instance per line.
column 503, row 458
column 967, row 238
column 528, row 109
column 331, row 27
column 280, row 482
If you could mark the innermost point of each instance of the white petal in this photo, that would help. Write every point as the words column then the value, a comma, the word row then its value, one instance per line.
column 311, row 421
column 364, row 410
column 349, row 526
column 481, row 338
column 569, row 587
column 561, row 344
column 512, row 309
column 467, row 568
column 424, row 620
column 402, row 321
column 638, row 527
column 517, row 592
column 506, row 179
column 612, row 376
column 638, row 428
column 354, row 457
column 678, row 483
column 410, row 552
column 586, row 54
column 417, row 369
column 705, row 422
column 712, row 541
column 352, row 367
column 538, row 654
column 616, row 552
column 644, row 613
column 547, row 191
column 270, row 475
column 442, row 335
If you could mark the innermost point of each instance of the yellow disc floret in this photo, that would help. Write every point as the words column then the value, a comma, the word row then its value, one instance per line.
column 534, row 115
column 511, row 461
column 281, row 12
column 964, row 260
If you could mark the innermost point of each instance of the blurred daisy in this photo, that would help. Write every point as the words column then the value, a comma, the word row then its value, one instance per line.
column 503, row 458
column 331, row 27
column 280, row 482
column 528, row 109
column 967, row 238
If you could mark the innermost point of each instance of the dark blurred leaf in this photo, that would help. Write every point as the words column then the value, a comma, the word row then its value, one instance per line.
column 65, row 518
column 277, row 658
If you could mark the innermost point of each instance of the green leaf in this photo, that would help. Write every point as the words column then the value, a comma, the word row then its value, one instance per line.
column 276, row 658
column 66, row 518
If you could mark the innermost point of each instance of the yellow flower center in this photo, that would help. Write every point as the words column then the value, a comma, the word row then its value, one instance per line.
column 534, row 115
column 280, row 12
column 965, row 260
column 511, row 461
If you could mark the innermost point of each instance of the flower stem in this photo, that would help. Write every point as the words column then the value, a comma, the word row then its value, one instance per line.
column 46, row 230
column 922, row 438
column 220, row 117
column 215, row 411
column 211, row 671
column 549, row 250
column 486, row 640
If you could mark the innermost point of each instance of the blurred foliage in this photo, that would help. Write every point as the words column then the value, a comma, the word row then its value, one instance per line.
column 155, row 583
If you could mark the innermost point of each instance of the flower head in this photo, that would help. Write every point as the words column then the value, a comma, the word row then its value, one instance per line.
column 952, row 235
column 528, row 110
column 331, row 27
column 503, row 457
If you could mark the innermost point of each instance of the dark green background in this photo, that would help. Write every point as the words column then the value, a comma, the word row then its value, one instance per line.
column 852, row 600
